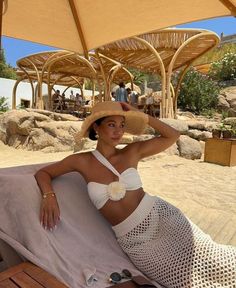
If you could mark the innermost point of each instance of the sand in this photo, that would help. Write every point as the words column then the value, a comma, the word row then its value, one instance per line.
column 205, row 192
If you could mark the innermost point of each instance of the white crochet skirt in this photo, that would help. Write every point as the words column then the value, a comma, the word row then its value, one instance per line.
column 170, row 249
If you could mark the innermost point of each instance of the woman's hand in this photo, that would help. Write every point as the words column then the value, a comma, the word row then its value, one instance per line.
column 49, row 213
column 127, row 107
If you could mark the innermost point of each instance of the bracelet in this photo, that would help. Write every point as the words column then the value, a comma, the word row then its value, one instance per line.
column 45, row 195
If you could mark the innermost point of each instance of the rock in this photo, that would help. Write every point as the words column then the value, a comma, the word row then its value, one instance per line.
column 233, row 104
column 179, row 125
column 142, row 137
column 199, row 135
column 53, row 115
column 172, row 150
column 232, row 112
column 64, row 117
column 223, row 104
column 40, row 111
column 189, row 148
column 30, row 130
column 227, row 100
column 2, row 135
column 202, row 125
column 185, row 115
column 230, row 96
column 85, row 144
column 230, row 121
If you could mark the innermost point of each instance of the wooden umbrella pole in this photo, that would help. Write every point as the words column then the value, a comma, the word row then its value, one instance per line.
column 1, row 13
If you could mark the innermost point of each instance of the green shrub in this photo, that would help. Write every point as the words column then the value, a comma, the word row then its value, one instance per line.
column 198, row 93
column 224, row 69
column 3, row 104
column 209, row 113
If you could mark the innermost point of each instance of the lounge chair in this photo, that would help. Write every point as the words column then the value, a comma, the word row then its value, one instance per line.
column 82, row 243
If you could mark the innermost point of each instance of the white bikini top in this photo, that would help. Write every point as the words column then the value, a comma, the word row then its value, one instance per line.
column 100, row 193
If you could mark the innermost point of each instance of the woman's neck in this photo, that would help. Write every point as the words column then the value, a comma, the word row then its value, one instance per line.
column 106, row 150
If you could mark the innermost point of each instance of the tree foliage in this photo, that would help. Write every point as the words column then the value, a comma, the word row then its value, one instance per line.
column 139, row 76
column 198, row 93
column 224, row 69
column 6, row 71
column 3, row 104
column 216, row 54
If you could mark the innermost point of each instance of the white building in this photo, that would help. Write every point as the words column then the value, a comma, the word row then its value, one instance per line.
column 24, row 92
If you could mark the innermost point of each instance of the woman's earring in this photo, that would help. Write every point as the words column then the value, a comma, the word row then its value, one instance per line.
column 96, row 136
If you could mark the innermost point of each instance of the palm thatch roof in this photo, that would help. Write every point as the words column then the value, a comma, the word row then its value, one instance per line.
column 70, row 69
column 188, row 43
column 162, row 52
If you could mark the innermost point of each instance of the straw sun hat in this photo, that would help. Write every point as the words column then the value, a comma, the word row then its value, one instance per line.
column 135, row 122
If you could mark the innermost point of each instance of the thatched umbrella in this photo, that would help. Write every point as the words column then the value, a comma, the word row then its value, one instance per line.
column 80, row 26
column 162, row 52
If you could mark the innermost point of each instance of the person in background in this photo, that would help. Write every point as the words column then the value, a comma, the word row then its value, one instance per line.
column 133, row 97
column 72, row 96
column 56, row 96
column 121, row 93
column 149, row 105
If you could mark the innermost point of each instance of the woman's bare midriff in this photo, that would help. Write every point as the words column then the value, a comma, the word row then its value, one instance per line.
column 117, row 211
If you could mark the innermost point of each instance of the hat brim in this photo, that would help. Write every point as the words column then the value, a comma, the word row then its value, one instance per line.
column 135, row 122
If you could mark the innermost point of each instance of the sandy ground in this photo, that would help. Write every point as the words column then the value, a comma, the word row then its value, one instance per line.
column 205, row 192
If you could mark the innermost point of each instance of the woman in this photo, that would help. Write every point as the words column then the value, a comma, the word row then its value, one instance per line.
column 157, row 237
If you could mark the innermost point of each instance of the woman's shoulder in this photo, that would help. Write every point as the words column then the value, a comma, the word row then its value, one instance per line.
column 129, row 152
column 78, row 161
column 82, row 156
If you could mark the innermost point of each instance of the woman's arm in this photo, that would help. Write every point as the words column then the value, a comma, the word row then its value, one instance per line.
column 168, row 136
column 50, row 212
column 45, row 175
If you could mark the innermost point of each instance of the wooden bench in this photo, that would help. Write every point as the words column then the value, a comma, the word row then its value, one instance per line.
column 27, row 275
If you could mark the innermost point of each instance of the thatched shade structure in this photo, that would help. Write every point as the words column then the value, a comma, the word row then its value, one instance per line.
column 111, row 70
column 32, row 77
column 162, row 52
column 35, row 68
column 203, row 68
column 81, row 26
column 70, row 69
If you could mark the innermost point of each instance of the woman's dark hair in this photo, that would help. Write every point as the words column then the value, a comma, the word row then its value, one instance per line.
column 92, row 132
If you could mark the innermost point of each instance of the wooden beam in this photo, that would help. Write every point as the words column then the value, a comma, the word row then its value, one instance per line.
column 230, row 6
column 78, row 26
column 1, row 13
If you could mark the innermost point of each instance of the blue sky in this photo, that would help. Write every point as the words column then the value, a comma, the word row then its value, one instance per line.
column 16, row 49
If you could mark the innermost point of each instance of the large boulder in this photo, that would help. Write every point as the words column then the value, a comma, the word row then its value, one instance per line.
column 201, row 125
column 227, row 101
column 179, row 125
column 223, row 104
column 189, row 148
column 199, row 135
column 33, row 129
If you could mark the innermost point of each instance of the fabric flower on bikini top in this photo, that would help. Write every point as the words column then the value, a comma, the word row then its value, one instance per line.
column 116, row 191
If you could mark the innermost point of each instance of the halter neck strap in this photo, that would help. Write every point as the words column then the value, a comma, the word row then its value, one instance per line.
column 105, row 162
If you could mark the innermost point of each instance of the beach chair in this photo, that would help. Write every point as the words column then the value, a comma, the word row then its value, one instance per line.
column 83, row 244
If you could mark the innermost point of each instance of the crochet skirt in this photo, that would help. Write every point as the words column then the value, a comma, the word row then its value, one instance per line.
column 167, row 247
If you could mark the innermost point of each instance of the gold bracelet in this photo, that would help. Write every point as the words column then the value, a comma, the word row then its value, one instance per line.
column 45, row 195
